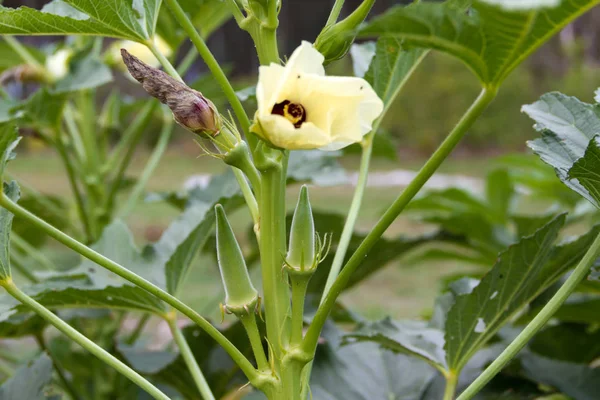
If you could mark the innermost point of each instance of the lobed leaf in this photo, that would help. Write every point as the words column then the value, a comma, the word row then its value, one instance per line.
column 413, row 338
column 492, row 42
column 126, row 19
column 520, row 274
column 568, row 127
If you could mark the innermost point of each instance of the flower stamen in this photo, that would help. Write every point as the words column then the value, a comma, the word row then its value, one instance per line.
column 293, row 112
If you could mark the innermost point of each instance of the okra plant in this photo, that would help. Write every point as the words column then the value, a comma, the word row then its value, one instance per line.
column 488, row 335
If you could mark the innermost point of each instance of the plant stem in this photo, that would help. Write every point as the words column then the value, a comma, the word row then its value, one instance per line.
column 434, row 162
column 73, row 130
column 32, row 252
column 127, row 144
column 187, row 62
column 22, row 51
column 211, row 63
column 123, row 272
column 272, row 248
column 248, row 195
column 249, row 322
column 537, row 323
column 139, row 328
column 451, row 382
column 189, row 359
column 361, row 184
column 299, row 286
column 163, row 60
column 39, row 338
column 235, row 11
column 83, row 341
column 335, row 12
column 159, row 149
column 62, row 151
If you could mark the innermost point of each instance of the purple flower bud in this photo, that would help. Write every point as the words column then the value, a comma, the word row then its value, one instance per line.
column 190, row 108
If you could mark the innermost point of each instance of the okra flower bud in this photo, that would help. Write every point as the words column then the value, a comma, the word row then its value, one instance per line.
column 240, row 295
column 306, row 250
column 190, row 108
column 335, row 40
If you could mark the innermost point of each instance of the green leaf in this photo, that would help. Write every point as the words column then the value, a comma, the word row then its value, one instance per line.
column 500, row 194
column 413, row 338
column 29, row 382
column 318, row 167
column 42, row 110
column 391, row 67
column 11, row 190
column 126, row 19
column 522, row 272
column 8, row 142
column 567, row 126
column 578, row 381
column 364, row 371
column 492, row 42
column 587, row 171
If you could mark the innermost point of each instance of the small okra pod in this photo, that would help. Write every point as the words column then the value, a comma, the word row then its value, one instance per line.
column 240, row 295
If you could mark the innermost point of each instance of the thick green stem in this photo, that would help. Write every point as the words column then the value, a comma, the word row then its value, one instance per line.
column 484, row 99
column 249, row 322
column 123, row 272
column 272, row 249
column 190, row 360
column 211, row 63
column 451, row 382
column 83, row 341
column 159, row 150
column 580, row 272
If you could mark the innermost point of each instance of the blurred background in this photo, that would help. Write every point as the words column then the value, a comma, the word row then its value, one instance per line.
column 431, row 103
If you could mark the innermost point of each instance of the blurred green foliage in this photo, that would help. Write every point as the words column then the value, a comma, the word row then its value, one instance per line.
column 443, row 88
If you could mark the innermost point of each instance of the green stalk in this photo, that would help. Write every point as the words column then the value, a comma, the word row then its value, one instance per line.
column 249, row 322
column 212, row 64
column 123, row 272
column 187, row 62
column 537, row 323
column 22, row 51
column 361, row 184
column 235, row 11
column 248, row 195
column 190, row 360
column 451, row 382
column 163, row 60
column 74, row 133
column 434, row 162
column 299, row 286
column 62, row 151
column 130, row 140
column 139, row 328
column 32, row 252
column 272, row 249
column 335, row 12
column 83, row 341
column 159, row 150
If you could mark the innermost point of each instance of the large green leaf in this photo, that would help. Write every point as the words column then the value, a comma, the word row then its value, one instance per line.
column 87, row 72
column 568, row 126
column 127, row 19
column 364, row 371
column 29, row 382
column 522, row 272
column 586, row 170
column 11, row 191
column 414, row 338
column 493, row 41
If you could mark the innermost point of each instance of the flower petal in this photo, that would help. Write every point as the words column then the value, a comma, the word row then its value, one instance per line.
column 282, row 133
